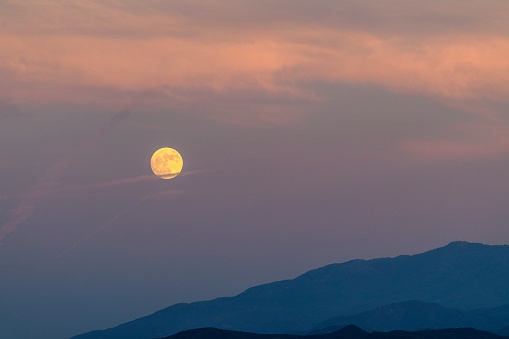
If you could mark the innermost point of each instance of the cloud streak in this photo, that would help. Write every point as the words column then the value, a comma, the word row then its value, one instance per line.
column 158, row 196
column 69, row 191
column 48, row 186
column 50, row 181
column 124, row 181
column 476, row 142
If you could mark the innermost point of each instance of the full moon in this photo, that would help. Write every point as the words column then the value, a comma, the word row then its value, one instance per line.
column 166, row 163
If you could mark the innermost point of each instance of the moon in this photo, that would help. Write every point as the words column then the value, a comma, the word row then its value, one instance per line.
column 166, row 163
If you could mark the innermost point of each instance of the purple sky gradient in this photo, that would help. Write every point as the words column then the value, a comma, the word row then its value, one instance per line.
column 310, row 135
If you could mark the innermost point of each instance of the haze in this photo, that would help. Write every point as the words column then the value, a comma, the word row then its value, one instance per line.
column 311, row 132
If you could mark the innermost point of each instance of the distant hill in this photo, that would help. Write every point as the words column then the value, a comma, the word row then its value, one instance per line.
column 460, row 275
column 349, row 332
column 504, row 331
column 489, row 318
column 408, row 315
column 415, row 315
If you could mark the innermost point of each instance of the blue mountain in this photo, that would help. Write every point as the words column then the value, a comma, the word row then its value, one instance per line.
column 460, row 275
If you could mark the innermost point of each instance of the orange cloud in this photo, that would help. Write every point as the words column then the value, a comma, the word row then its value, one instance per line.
column 87, row 44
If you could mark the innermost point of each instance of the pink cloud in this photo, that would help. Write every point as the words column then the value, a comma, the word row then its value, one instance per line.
column 166, row 47
column 451, row 66
column 476, row 142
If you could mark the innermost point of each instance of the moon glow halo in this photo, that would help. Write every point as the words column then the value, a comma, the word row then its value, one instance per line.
column 166, row 163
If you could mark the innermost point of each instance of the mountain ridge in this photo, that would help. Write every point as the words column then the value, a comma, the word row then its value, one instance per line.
column 461, row 275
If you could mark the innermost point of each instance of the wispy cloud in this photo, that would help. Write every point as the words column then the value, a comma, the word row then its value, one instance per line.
column 473, row 142
column 69, row 191
column 48, row 187
column 38, row 193
column 110, row 183
column 168, row 194
column 9, row 111
column 119, row 182
column 157, row 196
column 50, row 181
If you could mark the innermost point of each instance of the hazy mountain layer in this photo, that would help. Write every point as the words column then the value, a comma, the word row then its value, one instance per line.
column 504, row 331
column 415, row 315
column 460, row 275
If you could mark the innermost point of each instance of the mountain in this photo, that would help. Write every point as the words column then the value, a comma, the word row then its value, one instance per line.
column 408, row 315
column 347, row 332
column 504, row 331
column 489, row 318
column 350, row 332
column 214, row 333
column 415, row 315
column 460, row 275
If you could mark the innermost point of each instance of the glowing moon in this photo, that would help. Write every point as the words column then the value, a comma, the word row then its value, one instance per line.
column 166, row 163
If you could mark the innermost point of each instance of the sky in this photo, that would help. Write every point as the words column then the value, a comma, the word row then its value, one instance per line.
column 312, row 132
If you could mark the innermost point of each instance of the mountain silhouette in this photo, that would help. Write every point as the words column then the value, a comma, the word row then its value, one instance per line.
column 460, row 275
column 415, row 315
column 349, row 332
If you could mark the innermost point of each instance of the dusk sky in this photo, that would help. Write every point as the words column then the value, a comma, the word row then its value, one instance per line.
column 312, row 132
